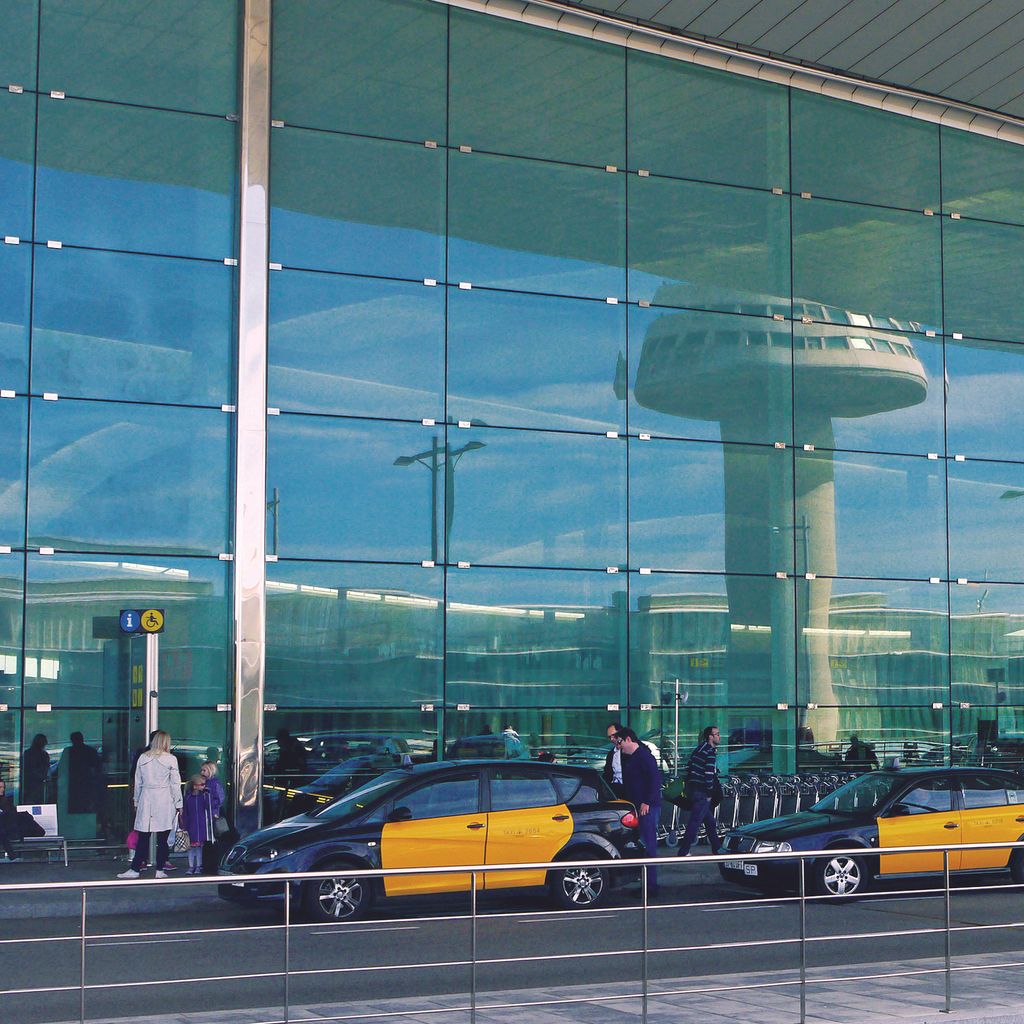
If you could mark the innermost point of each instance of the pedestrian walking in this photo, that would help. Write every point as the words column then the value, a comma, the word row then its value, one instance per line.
column 701, row 785
column 197, row 817
column 158, row 802
column 642, row 779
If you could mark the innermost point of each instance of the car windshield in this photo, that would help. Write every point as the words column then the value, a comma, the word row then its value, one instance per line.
column 863, row 795
column 361, row 798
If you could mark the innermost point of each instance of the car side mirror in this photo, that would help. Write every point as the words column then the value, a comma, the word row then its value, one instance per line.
column 898, row 811
column 400, row 814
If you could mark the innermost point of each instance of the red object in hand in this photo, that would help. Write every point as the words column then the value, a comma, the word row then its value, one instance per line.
column 630, row 820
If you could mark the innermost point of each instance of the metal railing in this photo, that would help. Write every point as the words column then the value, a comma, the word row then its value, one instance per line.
column 288, row 972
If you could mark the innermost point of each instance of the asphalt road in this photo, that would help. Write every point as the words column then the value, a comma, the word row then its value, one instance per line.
column 521, row 944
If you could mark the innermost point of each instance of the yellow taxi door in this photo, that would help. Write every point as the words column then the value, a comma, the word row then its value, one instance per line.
column 923, row 816
column 992, row 813
column 440, row 824
column 527, row 821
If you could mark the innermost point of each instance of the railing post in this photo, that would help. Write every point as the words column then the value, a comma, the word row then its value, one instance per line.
column 287, row 949
column 643, row 960
column 803, row 941
column 472, row 952
column 949, row 965
column 81, row 969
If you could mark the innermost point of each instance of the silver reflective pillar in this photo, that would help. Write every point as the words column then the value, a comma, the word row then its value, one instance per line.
column 251, row 419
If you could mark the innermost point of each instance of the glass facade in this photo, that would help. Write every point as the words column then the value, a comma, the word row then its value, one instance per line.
column 604, row 386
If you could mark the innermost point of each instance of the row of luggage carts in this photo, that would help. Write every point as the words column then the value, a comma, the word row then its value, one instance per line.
column 748, row 797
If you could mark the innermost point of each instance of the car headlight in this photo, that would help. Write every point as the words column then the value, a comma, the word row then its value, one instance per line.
column 769, row 847
column 265, row 856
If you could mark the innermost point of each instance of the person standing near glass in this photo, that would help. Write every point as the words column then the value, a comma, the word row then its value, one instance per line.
column 642, row 779
column 158, row 802
column 35, row 771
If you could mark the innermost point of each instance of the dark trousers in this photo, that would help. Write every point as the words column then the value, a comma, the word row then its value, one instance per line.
column 700, row 814
column 8, row 831
column 649, row 837
column 142, row 851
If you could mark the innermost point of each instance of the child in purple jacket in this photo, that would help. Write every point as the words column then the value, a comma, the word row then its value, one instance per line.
column 197, row 818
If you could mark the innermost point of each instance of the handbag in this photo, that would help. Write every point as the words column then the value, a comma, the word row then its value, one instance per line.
column 220, row 826
column 181, row 841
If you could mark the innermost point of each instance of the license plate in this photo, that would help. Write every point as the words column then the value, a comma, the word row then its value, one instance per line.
column 733, row 865
column 238, row 885
column 750, row 869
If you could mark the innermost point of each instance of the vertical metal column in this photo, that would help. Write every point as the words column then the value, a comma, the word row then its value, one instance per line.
column 949, row 959
column 250, row 555
column 803, row 941
column 287, row 950
column 472, row 953
column 81, row 968
column 644, row 981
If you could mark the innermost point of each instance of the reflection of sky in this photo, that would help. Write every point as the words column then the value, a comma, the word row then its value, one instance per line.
column 985, row 388
column 986, row 539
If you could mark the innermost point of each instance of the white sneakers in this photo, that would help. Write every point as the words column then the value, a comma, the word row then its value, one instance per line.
column 161, row 874
column 128, row 874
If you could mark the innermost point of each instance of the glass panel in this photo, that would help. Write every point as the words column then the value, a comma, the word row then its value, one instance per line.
column 357, row 205
column 372, row 68
column 144, row 328
column 10, row 753
column 706, row 375
column 444, row 797
column 15, row 269
column 537, row 499
column 708, row 246
column 871, row 642
column 710, row 507
column 337, row 491
column 11, row 592
column 14, row 430
column 539, row 227
column 724, row 640
column 159, row 55
column 353, row 634
column 985, row 539
column 983, row 791
column 982, row 177
column 990, row 736
column 987, row 630
column 527, row 91
column 848, row 151
column 18, row 22
column 118, row 177
column 932, row 795
column 869, row 389
column 107, row 477
column 533, row 361
column 880, row 516
column 917, row 736
column 514, row 788
column 356, row 345
column 198, row 736
column 984, row 381
column 866, row 266
column 982, row 278
column 17, row 142
column 527, row 639
column 75, row 654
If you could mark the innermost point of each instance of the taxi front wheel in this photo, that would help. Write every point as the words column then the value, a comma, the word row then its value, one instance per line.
column 579, row 888
column 337, row 897
column 840, row 874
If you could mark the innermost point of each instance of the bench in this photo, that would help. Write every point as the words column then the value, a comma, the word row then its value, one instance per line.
column 45, row 815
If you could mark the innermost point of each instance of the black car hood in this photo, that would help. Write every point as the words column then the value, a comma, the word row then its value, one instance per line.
column 803, row 823
column 275, row 833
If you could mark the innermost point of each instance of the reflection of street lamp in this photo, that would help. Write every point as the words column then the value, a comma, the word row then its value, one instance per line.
column 433, row 459
column 272, row 507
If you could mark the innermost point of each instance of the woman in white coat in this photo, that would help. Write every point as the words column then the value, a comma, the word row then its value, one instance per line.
column 157, row 801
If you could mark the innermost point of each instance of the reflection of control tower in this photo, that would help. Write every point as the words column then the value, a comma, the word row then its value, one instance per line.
column 741, row 375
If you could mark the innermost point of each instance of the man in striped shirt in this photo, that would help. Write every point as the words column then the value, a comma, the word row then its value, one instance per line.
column 701, row 780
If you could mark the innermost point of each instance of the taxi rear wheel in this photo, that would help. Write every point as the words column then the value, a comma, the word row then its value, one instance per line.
column 337, row 897
column 579, row 888
column 840, row 874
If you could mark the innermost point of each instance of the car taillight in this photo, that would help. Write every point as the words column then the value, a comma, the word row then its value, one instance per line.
column 630, row 820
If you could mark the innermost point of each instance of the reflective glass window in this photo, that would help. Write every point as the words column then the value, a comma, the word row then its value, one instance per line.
column 863, row 262
column 15, row 270
column 518, row 638
column 986, row 628
column 445, row 797
column 199, row 735
column 929, row 797
column 983, row 791
column 918, row 736
column 338, row 492
column 111, row 477
column 353, row 634
column 527, row 91
column 161, row 55
column 692, row 122
column 535, row 361
column 710, row 507
column 371, row 68
column 870, row 389
column 982, row 279
column 356, row 346
column 119, row 177
column 985, row 538
column 357, row 205
column 725, row 640
column 75, row 654
column 17, row 142
column 10, row 753
column 536, row 499
column 14, row 431
column 11, row 593
column 871, row 642
column 982, row 177
column 708, row 246
column 991, row 736
column 514, row 788
column 18, row 23
column 119, row 326
column 984, row 381
column 854, row 514
column 709, row 375
column 845, row 150
column 534, row 226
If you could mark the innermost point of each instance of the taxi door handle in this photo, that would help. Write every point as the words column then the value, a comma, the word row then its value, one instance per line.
column 560, row 817
column 951, row 824
column 476, row 824
column 1021, row 818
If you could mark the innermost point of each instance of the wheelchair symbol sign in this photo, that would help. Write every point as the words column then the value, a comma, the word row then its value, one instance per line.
column 153, row 620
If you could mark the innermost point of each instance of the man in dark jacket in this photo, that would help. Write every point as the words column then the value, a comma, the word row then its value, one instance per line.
column 701, row 781
column 642, row 779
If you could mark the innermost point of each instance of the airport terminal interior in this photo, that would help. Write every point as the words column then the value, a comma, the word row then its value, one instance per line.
column 601, row 385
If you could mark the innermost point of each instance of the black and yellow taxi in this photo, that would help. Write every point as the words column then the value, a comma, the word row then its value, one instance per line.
column 446, row 814
column 910, row 807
